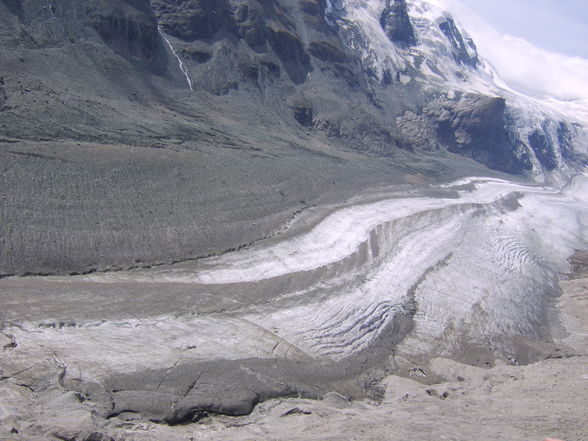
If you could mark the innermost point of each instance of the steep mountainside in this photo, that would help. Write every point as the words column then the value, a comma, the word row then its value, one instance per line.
column 137, row 132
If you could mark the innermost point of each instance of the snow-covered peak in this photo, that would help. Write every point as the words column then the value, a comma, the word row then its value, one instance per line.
column 443, row 54
column 420, row 42
column 429, row 10
column 359, row 21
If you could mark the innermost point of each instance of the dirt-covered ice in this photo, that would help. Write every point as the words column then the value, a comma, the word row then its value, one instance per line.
column 467, row 271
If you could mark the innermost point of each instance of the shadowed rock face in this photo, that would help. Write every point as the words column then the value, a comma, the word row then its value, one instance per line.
column 566, row 139
column 464, row 52
column 14, row 6
column 192, row 20
column 475, row 126
column 2, row 98
column 396, row 23
column 543, row 149
column 129, row 28
column 265, row 27
column 290, row 50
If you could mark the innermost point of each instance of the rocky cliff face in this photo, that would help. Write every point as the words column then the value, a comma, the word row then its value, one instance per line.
column 396, row 23
column 329, row 79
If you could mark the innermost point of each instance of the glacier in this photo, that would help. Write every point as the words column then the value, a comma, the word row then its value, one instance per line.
column 479, row 264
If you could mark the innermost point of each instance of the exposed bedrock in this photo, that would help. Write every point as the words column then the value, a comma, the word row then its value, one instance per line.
column 264, row 53
column 464, row 50
column 396, row 23
column 543, row 149
column 129, row 28
column 265, row 27
column 15, row 7
column 3, row 97
column 193, row 20
column 485, row 129
column 189, row 392
column 475, row 126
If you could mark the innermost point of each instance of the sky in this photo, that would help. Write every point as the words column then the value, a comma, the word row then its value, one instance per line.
column 539, row 47
column 555, row 25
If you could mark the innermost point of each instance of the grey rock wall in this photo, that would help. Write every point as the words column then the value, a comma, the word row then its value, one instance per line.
column 396, row 23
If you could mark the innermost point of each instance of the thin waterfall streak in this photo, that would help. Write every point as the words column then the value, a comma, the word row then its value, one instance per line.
column 50, row 7
column 183, row 68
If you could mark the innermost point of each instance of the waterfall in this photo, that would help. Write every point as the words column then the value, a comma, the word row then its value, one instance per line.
column 183, row 68
column 50, row 7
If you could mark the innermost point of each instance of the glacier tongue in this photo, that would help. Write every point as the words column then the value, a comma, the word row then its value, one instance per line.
column 480, row 267
column 430, row 272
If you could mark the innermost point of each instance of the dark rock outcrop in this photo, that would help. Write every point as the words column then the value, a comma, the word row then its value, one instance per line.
column 479, row 131
column 129, row 28
column 543, row 148
column 65, row 435
column 475, row 126
column 3, row 98
column 15, row 6
column 326, row 51
column 265, row 27
column 194, row 391
column 302, row 111
column 193, row 20
column 290, row 50
column 313, row 8
column 315, row 15
column 396, row 23
column 250, row 25
column 566, row 139
column 464, row 51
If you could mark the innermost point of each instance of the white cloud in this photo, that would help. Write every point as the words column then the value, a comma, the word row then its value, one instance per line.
column 525, row 67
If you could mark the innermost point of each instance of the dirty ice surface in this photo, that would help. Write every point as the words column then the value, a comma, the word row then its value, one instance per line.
column 477, row 264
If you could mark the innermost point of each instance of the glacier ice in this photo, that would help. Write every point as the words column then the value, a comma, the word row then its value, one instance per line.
column 479, row 265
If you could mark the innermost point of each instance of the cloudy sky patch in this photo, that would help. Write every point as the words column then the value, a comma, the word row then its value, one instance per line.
column 529, row 43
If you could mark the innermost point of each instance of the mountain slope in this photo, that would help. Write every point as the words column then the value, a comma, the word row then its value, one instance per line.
column 137, row 133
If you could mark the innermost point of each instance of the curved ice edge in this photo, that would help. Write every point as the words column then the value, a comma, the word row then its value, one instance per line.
column 336, row 237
